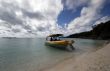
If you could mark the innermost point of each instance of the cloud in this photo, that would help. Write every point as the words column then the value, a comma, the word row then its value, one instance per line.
column 74, row 4
column 29, row 17
column 102, row 20
column 89, row 14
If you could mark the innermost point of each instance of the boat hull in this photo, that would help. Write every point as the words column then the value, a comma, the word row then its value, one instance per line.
column 59, row 45
column 55, row 45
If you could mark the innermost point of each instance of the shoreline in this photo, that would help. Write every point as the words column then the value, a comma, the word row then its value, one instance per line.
column 94, row 61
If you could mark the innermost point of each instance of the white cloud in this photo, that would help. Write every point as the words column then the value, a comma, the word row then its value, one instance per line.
column 73, row 4
column 102, row 20
column 29, row 17
column 87, row 17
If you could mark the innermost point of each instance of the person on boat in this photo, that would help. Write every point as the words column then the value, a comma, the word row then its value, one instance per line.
column 55, row 39
column 51, row 39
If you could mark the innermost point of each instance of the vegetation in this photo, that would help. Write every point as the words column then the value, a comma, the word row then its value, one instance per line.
column 100, row 31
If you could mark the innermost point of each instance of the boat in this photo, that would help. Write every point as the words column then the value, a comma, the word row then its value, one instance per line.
column 54, row 40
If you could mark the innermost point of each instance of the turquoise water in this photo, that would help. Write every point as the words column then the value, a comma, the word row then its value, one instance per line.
column 28, row 54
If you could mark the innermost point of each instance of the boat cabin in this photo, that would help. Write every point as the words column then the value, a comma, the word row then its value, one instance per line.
column 54, row 37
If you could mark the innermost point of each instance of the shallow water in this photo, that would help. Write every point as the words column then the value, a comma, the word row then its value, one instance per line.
column 28, row 54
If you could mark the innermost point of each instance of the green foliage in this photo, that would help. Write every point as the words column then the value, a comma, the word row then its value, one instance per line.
column 100, row 31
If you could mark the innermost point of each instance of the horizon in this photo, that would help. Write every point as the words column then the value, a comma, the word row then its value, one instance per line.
column 39, row 18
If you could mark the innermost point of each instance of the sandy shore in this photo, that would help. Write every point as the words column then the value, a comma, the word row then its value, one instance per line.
column 95, row 61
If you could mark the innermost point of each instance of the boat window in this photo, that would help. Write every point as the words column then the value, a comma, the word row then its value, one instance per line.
column 53, row 38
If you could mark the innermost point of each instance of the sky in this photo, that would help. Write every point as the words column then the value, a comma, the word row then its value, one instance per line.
column 39, row 18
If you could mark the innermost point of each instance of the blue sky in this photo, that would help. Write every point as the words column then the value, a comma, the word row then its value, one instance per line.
column 67, row 15
column 106, row 9
column 39, row 18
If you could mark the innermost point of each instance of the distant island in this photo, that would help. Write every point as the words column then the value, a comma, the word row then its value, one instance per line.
column 9, row 37
column 100, row 31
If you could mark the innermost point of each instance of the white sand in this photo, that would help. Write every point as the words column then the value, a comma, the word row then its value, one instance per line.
column 95, row 61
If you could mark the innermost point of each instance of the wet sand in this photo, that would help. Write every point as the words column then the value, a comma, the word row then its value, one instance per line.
column 94, row 61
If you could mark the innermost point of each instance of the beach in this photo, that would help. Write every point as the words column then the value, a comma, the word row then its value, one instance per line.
column 94, row 61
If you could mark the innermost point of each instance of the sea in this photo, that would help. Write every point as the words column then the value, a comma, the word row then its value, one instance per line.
column 31, row 54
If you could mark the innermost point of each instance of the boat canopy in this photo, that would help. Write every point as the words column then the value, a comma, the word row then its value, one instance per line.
column 55, row 35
